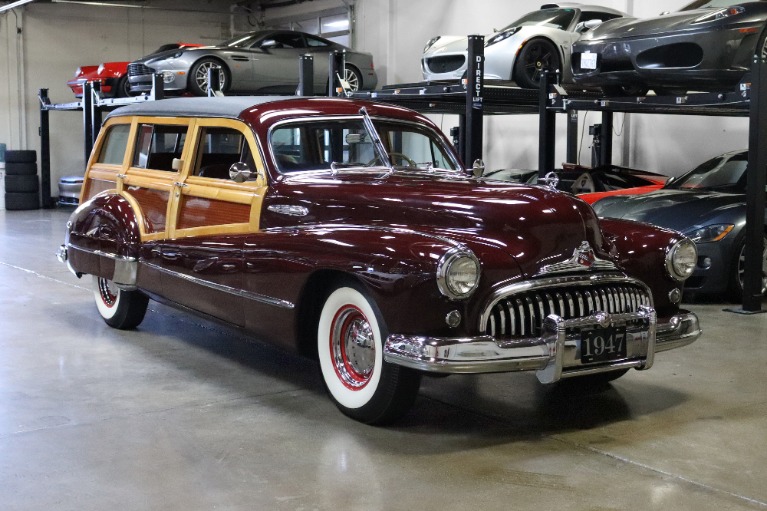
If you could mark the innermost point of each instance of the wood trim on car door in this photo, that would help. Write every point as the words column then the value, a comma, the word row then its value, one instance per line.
column 205, row 206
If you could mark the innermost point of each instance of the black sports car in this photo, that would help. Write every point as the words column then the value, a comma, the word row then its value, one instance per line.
column 708, row 204
column 708, row 45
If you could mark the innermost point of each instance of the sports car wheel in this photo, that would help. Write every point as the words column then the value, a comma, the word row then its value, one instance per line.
column 122, row 87
column 350, row 338
column 736, row 282
column 119, row 309
column 352, row 76
column 198, row 76
column 536, row 56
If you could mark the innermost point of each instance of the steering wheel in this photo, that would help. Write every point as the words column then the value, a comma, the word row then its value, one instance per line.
column 393, row 156
column 584, row 184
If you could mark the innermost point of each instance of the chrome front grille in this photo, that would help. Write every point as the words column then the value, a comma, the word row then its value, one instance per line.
column 521, row 314
column 139, row 70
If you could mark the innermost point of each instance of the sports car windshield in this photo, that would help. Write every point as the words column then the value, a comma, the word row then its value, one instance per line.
column 723, row 173
column 708, row 4
column 558, row 18
column 346, row 143
column 244, row 41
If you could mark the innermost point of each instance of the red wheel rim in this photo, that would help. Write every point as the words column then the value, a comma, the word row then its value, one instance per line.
column 108, row 298
column 352, row 347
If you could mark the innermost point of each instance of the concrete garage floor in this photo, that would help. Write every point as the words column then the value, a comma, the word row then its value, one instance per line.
column 183, row 414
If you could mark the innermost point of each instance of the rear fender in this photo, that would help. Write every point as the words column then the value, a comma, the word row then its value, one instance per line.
column 103, row 239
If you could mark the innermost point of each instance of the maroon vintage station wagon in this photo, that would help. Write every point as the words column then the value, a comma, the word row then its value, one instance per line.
column 350, row 232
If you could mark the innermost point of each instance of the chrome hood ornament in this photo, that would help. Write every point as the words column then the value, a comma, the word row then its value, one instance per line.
column 583, row 259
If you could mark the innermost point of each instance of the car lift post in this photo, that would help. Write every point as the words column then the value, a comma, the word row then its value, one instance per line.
column 547, row 125
column 572, row 136
column 756, row 182
column 306, row 75
column 45, row 150
column 336, row 64
column 471, row 132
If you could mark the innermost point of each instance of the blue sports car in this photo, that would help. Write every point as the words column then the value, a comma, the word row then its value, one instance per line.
column 708, row 204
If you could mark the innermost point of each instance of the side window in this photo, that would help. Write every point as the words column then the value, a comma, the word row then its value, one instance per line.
column 313, row 42
column 113, row 148
column 294, row 40
column 219, row 149
column 158, row 145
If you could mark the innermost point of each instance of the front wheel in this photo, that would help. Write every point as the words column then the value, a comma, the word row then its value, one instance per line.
column 198, row 76
column 536, row 57
column 118, row 308
column 739, row 271
column 350, row 339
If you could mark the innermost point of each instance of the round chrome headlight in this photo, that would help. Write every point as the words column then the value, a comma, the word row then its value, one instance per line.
column 458, row 273
column 681, row 259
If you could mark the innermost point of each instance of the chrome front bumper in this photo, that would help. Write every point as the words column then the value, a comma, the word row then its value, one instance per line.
column 556, row 354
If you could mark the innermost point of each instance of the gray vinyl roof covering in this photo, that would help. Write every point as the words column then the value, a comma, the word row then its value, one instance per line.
column 228, row 106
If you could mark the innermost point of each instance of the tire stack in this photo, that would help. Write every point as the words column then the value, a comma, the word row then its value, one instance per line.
column 22, row 188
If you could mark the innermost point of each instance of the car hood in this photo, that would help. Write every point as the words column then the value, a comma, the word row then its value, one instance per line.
column 448, row 44
column 534, row 225
column 674, row 209
column 634, row 27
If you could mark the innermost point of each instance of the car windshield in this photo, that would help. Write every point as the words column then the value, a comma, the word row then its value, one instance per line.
column 244, row 41
column 708, row 4
column 559, row 18
column 346, row 143
column 721, row 173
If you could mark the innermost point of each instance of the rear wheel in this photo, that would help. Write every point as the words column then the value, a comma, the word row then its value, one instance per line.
column 353, row 78
column 536, row 56
column 119, row 309
column 350, row 339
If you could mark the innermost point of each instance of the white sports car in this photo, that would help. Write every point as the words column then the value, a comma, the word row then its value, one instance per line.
column 521, row 51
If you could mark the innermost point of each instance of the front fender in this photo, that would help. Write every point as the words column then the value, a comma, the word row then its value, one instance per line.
column 641, row 250
column 396, row 266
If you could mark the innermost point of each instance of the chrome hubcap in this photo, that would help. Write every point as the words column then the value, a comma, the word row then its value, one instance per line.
column 352, row 347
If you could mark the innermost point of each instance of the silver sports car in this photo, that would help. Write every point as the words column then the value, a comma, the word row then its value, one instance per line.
column 521, row 51
column 258, row 62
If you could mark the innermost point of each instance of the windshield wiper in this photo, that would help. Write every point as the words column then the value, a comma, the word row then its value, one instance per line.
column 377, row 144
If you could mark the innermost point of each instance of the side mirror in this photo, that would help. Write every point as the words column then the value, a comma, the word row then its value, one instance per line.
column 240, row 172
column 585, row 26
column 478, row 168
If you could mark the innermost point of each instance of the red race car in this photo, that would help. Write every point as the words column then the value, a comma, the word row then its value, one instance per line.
column 113, row 76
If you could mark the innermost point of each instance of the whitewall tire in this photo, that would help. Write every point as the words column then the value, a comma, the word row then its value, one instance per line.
column 119, row 309
column 350, row 338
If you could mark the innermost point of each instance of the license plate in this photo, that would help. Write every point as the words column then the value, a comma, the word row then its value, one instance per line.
column 588, row 60
column 603, row 344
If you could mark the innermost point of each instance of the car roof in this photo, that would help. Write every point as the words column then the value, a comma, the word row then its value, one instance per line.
column 583, row 7
column 229, row 106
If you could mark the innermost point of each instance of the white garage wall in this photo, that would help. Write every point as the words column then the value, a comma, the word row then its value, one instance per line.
column 55, row 39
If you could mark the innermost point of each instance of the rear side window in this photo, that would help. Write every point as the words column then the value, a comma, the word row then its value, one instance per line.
column 219, row 149
column 158, row 145
column 113, row 149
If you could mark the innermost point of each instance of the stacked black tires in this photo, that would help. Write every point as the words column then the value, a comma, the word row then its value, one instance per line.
column 22, row 187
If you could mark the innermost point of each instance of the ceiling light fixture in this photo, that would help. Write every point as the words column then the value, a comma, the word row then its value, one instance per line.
column 13, row 5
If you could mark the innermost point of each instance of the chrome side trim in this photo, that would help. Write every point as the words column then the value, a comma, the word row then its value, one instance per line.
column 554, row 355
column 289, row 210
column 277, row 302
